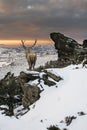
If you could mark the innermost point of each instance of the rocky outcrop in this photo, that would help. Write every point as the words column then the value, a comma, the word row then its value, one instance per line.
column 47, row 81
column 63, row 44
column 53, row 76
column 85, row 43
column 31, row 93
column 17, row 91
column 68, row 49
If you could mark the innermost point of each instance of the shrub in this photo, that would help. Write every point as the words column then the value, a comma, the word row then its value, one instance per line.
column 10, row 94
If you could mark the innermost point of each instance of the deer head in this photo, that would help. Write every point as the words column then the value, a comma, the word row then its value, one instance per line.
column 23, row 44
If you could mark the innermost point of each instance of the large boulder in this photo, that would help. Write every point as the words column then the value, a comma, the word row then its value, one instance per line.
column 69, row 50
column 31, row 93
column 65, row 45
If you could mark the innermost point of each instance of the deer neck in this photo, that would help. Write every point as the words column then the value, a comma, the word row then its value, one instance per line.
column 27, row 51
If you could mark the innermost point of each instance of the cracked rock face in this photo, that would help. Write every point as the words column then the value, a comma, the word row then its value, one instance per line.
column 69, row 51
column 31, row 94
column 63, row 44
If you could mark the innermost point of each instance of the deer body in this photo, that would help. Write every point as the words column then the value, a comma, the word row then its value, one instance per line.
column 30, row 56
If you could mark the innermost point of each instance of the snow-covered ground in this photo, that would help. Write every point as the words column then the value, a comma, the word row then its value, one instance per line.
column 55, row 103
column 14, row 60
column 19, row 64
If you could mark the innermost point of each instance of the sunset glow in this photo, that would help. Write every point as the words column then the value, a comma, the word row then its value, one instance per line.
column 27, row 42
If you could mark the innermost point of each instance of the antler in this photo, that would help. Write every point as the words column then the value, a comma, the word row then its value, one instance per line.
column 23, row 44
column 34, row 44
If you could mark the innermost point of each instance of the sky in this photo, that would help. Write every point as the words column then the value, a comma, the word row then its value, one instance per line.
column 36, row 19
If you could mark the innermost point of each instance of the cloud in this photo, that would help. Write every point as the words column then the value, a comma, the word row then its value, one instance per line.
column 37, row 18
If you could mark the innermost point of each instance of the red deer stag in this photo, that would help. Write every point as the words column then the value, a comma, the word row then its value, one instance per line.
column 30, row 56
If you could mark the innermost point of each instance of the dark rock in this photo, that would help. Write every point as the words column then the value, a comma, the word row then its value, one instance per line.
column 63, row 44
column 28, row 76
column 31, row 93
column 41, row 121
column 53, row 76
column 85, row 43
column 53, row 127
column 81, row 113
column 14, row 92
column 69, row 119
column 47, row 81
column 69, row 51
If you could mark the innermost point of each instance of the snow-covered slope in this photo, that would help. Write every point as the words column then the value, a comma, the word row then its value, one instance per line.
column 56, row 102
column 67, row 98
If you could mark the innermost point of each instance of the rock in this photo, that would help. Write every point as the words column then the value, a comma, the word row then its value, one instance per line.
column 69, row 50
column 81, row 113
column 17, row 91
column 69, row 119
column 26, row 77
column 31, row 93
column 53, row 127
column 47, row 81
column 85, row 43
column 14, row 92
column 53, row 76
column 63, row 44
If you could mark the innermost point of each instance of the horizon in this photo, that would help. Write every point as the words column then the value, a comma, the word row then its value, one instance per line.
column 27, row 42
column 11, row 42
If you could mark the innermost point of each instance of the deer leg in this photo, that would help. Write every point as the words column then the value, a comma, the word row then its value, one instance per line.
column 34, row 63
column 29, row 64
column 30, row 67
column 33, row 66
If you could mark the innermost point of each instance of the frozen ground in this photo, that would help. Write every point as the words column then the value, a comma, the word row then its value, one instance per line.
column 67, row 99
column 55, row 104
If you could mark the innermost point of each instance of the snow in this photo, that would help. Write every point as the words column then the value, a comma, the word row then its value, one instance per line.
column 55, row 103
column 3, row 63
column 19, row 64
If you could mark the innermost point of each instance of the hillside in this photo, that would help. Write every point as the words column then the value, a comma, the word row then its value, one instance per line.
column 67, row 98
column 62, row 105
